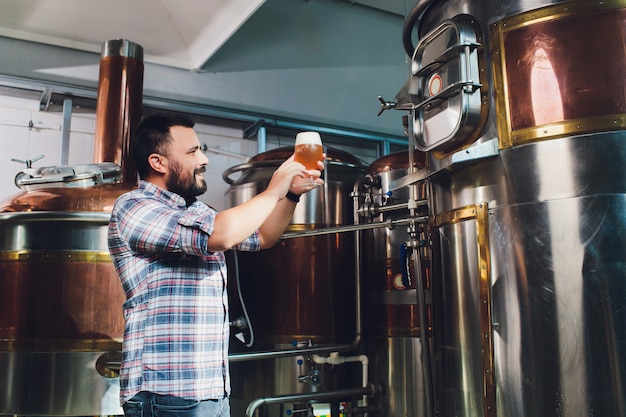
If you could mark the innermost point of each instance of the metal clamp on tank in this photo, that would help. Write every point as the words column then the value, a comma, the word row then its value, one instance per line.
column 84, row 175
column 369, row 207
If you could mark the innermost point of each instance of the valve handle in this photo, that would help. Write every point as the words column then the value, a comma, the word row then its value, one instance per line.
column 385, row 105
column 28, row 162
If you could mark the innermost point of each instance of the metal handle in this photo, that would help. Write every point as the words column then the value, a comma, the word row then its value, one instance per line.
column 242, row 167
column 28, row 162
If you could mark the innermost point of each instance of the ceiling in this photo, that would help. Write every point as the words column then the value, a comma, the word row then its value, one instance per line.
column 177, row 33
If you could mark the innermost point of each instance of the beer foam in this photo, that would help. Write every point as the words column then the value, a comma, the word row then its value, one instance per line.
column 308, row 137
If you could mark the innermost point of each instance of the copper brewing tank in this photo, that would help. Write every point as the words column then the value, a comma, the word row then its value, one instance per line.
column 302, row 289
column 299, row 293
column 61, row 322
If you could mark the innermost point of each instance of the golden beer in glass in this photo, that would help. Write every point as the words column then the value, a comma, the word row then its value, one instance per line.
column 308, row 149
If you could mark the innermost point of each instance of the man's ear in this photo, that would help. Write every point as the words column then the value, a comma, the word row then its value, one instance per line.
column 158, row 163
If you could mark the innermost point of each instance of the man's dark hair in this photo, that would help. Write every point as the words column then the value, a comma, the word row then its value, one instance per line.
column 153, row 136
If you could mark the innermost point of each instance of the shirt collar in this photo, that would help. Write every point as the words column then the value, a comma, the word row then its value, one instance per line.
column 168, row 197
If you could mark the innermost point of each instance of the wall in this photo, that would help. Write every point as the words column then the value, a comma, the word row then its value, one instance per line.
column 19, row 141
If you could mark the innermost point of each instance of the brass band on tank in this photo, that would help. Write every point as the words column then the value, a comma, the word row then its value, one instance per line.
column 542, row 90
column 85, row 345
column 480, row 214
column 54, row 256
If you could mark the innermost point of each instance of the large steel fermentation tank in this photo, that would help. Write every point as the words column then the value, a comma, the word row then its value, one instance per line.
column 298, row 294
column 521, row 109
column 61, row 322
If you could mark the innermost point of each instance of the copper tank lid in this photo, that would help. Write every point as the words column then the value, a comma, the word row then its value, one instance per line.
column 397, row 160
column 88, row 187
column 333, row 155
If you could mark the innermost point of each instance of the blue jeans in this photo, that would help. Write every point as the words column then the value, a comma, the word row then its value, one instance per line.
column 147, row 404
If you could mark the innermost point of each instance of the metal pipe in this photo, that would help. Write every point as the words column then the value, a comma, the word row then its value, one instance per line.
column 336, row 359
column 424, row 334
column 394, row 207
column 261, row 139
column 412, row 19
column 204, row 110
column 358, row 276
column 375, row 210
column 65, row 131
column 316, row 396
column 119, row 103
column 271, row 354
column 357, row 227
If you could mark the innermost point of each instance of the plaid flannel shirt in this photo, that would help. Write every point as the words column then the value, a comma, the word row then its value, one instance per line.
column 176, row 310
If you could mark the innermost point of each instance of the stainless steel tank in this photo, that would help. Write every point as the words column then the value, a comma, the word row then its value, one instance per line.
column 61, row 322
column 521, row 109
column 300, row 293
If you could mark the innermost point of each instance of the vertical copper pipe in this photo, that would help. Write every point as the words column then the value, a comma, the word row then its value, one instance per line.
column 118, row 109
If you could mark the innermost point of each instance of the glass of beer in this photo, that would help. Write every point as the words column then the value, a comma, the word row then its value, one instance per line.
column 308, row 151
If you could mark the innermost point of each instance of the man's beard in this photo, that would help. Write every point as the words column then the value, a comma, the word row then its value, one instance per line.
column 185, row 186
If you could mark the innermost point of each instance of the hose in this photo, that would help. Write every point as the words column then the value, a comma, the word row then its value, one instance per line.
column 243, row 305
